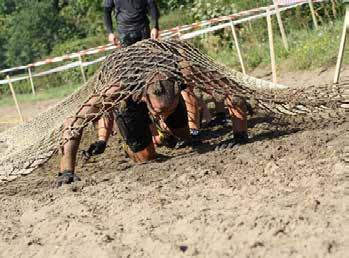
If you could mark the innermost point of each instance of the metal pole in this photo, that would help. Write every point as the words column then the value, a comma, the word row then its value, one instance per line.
column 82, row 70
column 281, row 26
column 237, row 47
column 31, row 80
column 271, row 46
column 14, row 98
column 313, row 13
column 342, row 44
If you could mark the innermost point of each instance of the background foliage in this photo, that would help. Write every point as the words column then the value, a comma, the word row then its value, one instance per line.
column 31, row 30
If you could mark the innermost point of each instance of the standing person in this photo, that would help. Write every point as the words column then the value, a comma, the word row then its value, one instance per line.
column 132, row 26
column 132, row 21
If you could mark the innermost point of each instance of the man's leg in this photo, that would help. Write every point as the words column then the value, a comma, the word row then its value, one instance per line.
column 178, row 124
column 133, row 123
column 204, row 111
column 193, row 110
column 105, row 127
column 238, row 111
column 147, row 154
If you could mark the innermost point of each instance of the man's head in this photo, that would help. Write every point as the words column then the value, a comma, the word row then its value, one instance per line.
column 162, row 94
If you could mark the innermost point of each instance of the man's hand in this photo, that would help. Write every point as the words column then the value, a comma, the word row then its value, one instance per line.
column 95, row 148
column 154, row 34
column 192, row 141
column 169, row 142
column 65, row 177
column 112, row 39
column 239, row 139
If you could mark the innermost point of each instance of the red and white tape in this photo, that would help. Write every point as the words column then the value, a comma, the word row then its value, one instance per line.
column 252, row 12
column 219, row 26
column 177, row 31
column 85, row 52
column 174, row 32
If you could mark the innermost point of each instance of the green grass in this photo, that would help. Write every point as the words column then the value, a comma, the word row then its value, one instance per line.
column 308, row 48
column 46, row 94
column 175, row 18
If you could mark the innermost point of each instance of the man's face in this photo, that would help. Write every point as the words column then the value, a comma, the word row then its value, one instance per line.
column 161, row 109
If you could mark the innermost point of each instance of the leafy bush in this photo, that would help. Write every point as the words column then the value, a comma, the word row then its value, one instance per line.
column 315, row 48
column 203, row 9
column 175, row 18
column 166, row 6
column 33, row 32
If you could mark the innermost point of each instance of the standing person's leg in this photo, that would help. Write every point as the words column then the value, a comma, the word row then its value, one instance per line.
column 128, row 38
column 145, row 33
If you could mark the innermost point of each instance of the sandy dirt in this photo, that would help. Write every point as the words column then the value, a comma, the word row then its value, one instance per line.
column 9, row 115
column 278, row 196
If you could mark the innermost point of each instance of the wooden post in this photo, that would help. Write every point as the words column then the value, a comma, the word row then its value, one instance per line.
column 14, row 98
column 313, row 13
column 179, row 34
column 271, row 46
column 237, row 47
column 31, row 80
column 281, row 26
column 342, row 44
column 82, row 70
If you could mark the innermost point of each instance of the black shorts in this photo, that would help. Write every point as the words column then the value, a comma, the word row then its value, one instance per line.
column 128, row 38
column 133, row 121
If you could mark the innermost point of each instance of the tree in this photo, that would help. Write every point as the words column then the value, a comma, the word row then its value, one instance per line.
column 34, row 29
column 7, row 7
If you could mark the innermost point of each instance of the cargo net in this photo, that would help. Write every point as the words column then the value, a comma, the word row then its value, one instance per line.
column 125, row 72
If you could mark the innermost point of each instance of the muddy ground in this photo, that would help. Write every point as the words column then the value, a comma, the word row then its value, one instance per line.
column 278, row 196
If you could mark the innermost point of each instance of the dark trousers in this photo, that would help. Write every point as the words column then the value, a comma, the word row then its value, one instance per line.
column 128, row 38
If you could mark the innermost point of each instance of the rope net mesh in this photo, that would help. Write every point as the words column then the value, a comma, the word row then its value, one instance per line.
column 126, row 71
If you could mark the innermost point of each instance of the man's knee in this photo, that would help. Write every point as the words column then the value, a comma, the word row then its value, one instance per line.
column 238, row 102
column 144, row 155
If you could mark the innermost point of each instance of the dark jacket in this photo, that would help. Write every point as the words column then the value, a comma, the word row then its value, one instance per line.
column 130, row 15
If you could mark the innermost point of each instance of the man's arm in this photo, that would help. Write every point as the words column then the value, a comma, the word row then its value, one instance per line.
column 189, row 97
column 71, row 143
column 108, row 22
column 104, row 127
column 209, row 81
column 154, row 15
